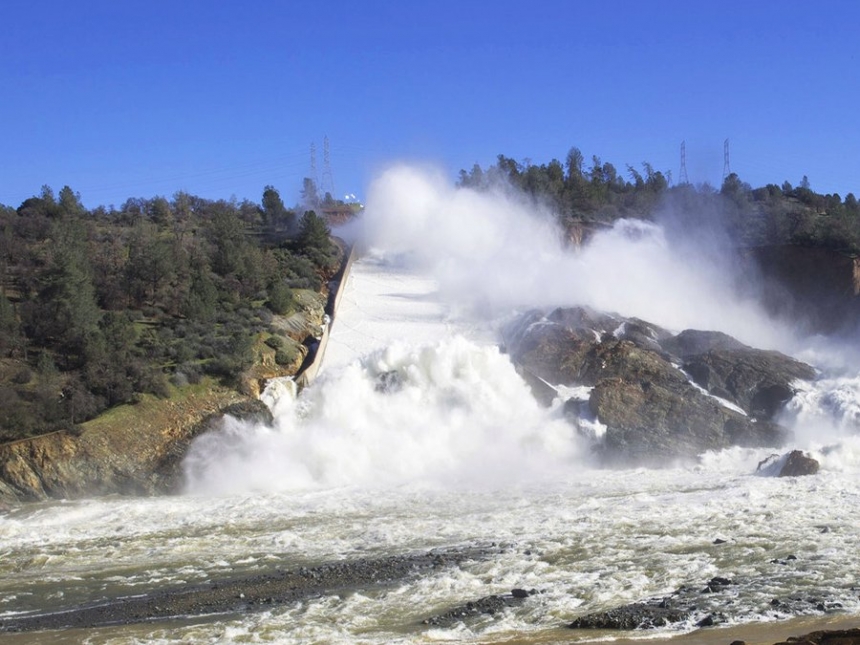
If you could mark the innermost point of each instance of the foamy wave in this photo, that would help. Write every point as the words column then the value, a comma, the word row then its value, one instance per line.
column 453, row 413
column 824, row 411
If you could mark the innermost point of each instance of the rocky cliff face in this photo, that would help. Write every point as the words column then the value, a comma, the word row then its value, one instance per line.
column 819, row 288
column 660, row 396
column 136, row 451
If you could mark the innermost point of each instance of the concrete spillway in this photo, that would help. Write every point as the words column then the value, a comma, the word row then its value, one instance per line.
column 381, row 303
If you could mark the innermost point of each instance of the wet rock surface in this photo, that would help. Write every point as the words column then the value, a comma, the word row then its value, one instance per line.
column 487, row 606
column 706, row 605
column 661, row 396
column 795, row 463
column 250, row 593
column 633, row 616
column 798, row 464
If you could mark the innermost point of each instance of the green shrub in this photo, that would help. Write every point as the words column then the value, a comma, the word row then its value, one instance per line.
column 22, row 376
column 275, row 342
column 280, row 298
column 285, row 356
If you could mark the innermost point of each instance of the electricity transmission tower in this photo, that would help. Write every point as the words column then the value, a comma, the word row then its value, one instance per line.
column 327, row 185
column 683, row 177
column 313, row 175
column 727, row 169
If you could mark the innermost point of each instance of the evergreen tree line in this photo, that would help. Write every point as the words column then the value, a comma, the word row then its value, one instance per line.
column 100, row 306
column 598, row 192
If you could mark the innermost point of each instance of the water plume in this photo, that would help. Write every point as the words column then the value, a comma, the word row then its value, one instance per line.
column 494, row 248
column 452, row 414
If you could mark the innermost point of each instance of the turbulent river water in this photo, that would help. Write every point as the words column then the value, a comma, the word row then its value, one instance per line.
column 419, row 434
column 454, row 453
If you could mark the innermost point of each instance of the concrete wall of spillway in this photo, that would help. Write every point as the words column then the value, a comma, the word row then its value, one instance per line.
column 336, row 290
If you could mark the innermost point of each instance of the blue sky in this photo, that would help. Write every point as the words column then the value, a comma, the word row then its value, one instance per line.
column 138, row 98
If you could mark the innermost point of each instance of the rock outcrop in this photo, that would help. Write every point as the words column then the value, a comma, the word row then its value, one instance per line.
column 661, row 396
column 815, row 287
column 141, row 458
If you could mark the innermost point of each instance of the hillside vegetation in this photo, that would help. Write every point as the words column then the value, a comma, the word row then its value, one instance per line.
column 100, row 307
column 599, row 193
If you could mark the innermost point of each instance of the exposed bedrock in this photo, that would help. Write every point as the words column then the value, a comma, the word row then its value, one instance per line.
column 659, row 395
column 817, row 288
column 701, row 605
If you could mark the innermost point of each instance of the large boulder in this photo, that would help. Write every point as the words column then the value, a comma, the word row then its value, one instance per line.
column 653, row 412
column 660, row 396
column 798, row 464
column 792, row 464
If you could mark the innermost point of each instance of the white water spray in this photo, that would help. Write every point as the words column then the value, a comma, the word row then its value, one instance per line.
column 439, row 409
column 451, row 414
column 494, row 249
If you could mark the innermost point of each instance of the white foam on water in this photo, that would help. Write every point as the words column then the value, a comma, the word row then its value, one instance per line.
column 451, row 414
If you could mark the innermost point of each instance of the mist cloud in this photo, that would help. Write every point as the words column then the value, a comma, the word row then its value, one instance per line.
column 502, row 251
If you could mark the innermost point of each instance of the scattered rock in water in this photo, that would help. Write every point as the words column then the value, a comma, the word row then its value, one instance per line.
column 785, row 560
column 390, row 381
column 717, row 583
column 250, row 593
column 640, row 615
column 798, row 464
column 792, row 464
column 487, row 606
column 710, row 620
column 706, row 606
